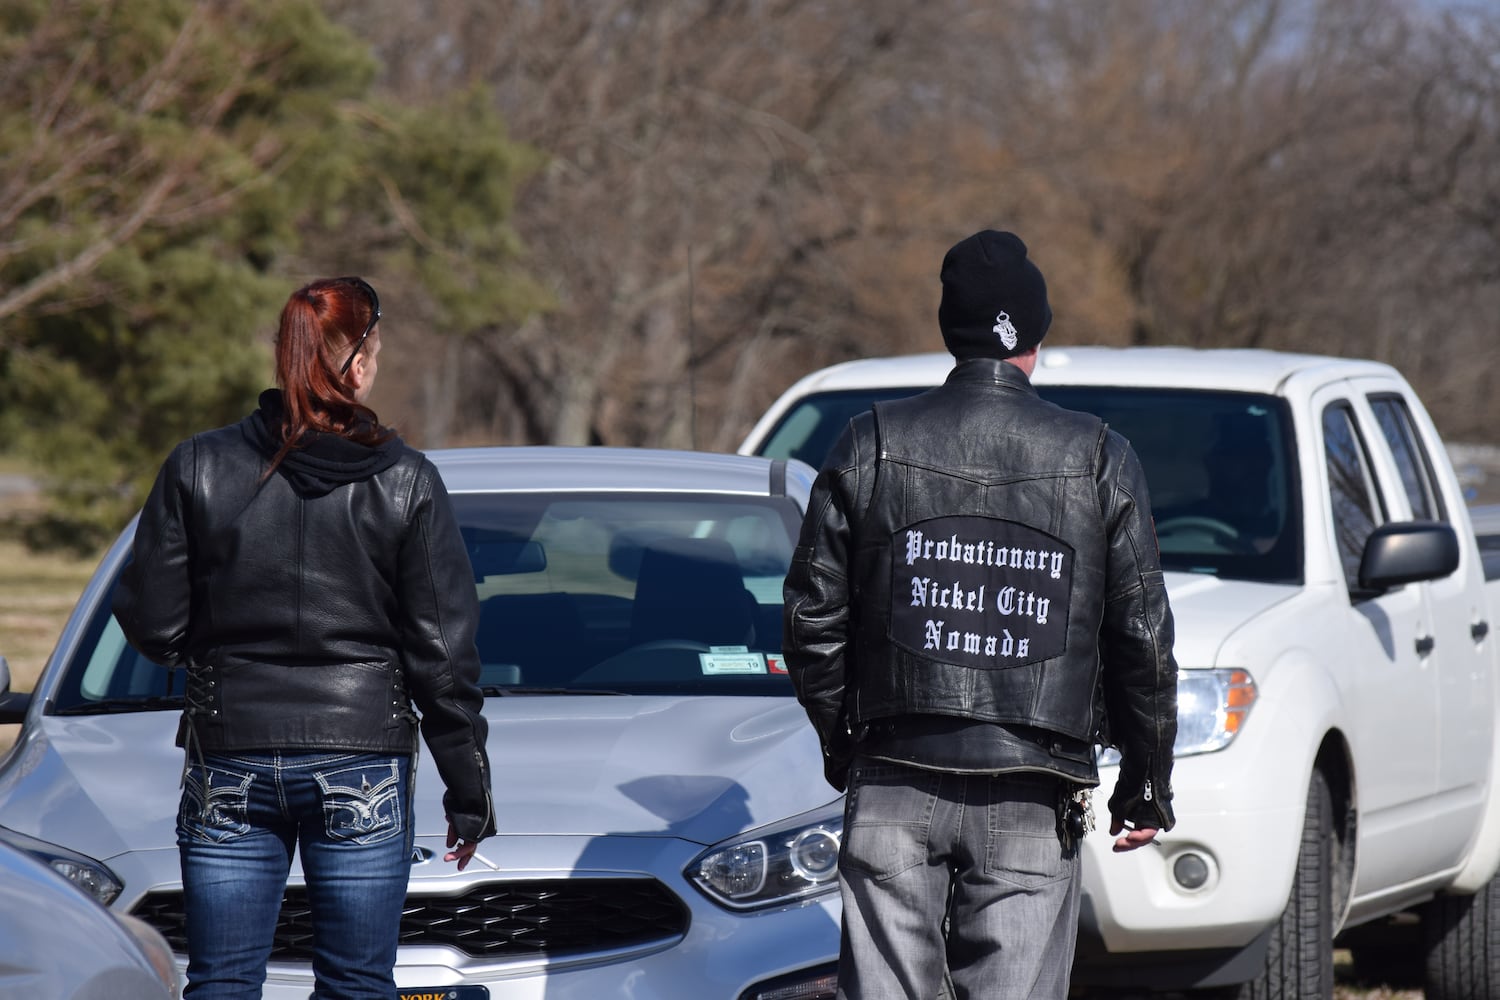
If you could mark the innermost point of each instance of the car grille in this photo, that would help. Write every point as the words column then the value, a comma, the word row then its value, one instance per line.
column 523, row 919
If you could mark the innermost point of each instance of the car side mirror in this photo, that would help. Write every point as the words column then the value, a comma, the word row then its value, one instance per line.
column 1406, row 552
column 12, row 706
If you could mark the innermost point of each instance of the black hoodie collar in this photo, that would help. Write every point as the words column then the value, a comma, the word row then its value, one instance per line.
column 320, row 462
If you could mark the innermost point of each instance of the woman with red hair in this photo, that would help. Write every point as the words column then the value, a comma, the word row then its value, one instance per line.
column 304, row 565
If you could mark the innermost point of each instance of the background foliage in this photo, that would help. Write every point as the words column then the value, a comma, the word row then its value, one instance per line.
column 739, row 191
column 631, row 222
column 173, row 170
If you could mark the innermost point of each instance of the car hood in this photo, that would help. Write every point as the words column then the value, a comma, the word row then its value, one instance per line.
column 697, row 768
column 1207, row 610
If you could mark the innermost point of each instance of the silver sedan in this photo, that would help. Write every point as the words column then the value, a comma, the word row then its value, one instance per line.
column 664, row 827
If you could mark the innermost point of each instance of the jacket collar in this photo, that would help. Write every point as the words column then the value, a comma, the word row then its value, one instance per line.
column 990, row 371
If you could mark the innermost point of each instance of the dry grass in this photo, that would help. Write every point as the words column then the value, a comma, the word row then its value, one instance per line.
column 1346, row 988
column 36, row 594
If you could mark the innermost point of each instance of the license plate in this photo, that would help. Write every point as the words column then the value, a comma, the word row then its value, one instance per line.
column 443, row 992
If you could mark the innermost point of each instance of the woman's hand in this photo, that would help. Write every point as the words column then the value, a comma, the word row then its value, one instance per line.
column 462, row 852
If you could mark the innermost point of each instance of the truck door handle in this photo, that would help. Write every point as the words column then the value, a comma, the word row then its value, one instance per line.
column 1479, row 630
column 1425, row 644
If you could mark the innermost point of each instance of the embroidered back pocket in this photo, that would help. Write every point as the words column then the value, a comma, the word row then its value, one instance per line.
column 215, row 804
column 362, row 802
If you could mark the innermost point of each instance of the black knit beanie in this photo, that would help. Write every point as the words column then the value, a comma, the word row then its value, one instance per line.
column 994, row 299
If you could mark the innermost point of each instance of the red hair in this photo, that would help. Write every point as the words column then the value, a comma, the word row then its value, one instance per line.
column 320, row 326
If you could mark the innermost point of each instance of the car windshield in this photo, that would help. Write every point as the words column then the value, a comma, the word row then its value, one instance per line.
column 1221, row 467
column 644, row 593
column 621, row 593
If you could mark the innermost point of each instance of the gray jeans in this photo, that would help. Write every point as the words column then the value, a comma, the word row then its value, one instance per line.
column 955, row 870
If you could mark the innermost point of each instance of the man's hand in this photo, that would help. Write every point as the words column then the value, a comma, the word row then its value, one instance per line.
column 1138, row 837
column 463, row 852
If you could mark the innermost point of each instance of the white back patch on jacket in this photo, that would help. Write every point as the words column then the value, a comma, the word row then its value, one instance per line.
column 980, row 591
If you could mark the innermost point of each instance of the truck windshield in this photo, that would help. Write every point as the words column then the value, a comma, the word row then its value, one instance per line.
column 1221, row 467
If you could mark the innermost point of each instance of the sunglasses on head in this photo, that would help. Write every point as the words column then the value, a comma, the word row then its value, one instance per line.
column 374, row 318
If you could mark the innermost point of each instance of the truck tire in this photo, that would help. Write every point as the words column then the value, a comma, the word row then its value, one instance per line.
column 1463, row 945
column 1299, row 959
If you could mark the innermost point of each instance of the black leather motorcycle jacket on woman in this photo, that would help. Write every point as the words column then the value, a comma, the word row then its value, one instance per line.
column 980, row 553
column 312, row 608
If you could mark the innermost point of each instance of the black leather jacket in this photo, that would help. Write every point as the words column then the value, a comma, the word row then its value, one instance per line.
column 312, row 609
column 976, row 551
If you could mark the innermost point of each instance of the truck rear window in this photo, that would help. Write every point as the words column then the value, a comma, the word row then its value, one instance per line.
column 1221, row 466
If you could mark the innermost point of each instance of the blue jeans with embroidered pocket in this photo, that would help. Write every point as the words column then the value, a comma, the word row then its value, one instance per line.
column 243, row 818
column 963, row 873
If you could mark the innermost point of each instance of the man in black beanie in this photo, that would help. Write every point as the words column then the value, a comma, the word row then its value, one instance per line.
column 977, row 586
column 994, row 299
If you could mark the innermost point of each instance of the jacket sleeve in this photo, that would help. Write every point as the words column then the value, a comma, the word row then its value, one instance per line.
column 438, row 616
column 1135, row 645
column 816, row 626
column 153, row 602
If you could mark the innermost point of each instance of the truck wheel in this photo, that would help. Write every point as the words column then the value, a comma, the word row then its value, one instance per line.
column 1299, row 960
column 1463, row 945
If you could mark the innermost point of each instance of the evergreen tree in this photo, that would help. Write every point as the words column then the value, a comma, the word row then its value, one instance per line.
column 172, row 171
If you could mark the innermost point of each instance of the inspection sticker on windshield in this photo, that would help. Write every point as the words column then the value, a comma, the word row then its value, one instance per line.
column 732, row 660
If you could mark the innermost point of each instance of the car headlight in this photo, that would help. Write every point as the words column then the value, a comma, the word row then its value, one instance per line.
column 1212, row 706
column 774, row 865
column 89, row 875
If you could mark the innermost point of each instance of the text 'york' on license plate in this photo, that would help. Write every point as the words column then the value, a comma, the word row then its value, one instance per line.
column 443, row 992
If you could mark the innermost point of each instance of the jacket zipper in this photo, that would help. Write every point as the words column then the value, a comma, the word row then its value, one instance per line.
column 489, row 802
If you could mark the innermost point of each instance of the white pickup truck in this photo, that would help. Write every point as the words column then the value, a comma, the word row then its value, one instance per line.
column 1338, row 755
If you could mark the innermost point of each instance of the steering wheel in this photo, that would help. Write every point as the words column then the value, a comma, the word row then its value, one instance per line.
column 1221, row 532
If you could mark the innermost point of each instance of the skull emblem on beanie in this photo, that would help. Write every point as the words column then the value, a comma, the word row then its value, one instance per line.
column 994, row 301
column 1006, row 331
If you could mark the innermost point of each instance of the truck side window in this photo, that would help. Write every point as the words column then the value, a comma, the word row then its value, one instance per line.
column 1352, row 491
column 1394, row 418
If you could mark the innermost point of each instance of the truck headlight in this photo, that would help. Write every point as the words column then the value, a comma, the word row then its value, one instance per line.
column 1211, row 708
column 774, row 865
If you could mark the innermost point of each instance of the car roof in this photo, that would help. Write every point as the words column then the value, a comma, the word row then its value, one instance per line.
column 600, row 468
column 1244, row 370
